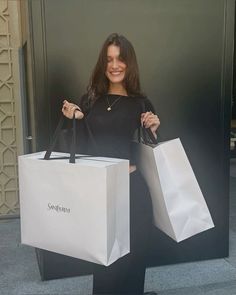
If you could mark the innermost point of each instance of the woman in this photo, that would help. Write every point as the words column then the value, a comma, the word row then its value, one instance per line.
column 113, row 108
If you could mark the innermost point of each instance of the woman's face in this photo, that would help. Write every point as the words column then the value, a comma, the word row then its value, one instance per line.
column 116, row 68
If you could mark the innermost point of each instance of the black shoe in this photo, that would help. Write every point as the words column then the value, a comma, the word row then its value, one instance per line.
column 150, row 293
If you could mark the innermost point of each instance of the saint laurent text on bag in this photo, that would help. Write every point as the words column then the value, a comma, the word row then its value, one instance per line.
column 58, row 208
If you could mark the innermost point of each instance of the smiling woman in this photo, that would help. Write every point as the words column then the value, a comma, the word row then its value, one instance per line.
column 112, row 110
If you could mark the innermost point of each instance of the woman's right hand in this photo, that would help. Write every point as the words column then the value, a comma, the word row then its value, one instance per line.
column 69, row 109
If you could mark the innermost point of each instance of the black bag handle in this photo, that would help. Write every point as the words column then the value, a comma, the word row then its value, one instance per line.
column 146, row 133
column 54, row 140
column 90, row 135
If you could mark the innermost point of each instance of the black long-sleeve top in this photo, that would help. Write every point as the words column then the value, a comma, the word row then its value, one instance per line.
column 110, row 133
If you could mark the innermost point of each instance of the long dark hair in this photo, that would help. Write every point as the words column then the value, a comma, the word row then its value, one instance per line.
column 99, row 83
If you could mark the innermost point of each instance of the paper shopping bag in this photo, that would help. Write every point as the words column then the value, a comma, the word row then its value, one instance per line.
column 80, row 210
column 179, row 207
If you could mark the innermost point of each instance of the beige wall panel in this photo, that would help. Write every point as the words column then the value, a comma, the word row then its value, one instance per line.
column 10, row 120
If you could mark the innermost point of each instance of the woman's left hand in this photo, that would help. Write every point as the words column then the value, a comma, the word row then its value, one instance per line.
column 150, row 120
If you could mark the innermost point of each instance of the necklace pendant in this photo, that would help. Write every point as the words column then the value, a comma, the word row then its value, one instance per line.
column 111, row 105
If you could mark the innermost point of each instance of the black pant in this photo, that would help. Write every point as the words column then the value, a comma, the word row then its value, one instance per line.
column 126, row 276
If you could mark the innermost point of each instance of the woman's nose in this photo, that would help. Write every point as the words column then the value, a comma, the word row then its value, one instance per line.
column 114, row 64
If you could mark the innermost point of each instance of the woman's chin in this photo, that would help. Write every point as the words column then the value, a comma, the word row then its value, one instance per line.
column 116, row 80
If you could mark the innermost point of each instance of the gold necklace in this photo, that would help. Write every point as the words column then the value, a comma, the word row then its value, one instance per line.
column 110, row 105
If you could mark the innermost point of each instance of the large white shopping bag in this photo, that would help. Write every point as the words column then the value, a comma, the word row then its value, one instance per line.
column 179, row 207
column 80, row 210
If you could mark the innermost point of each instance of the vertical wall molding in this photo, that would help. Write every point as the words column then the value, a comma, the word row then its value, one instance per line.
column 37, row 29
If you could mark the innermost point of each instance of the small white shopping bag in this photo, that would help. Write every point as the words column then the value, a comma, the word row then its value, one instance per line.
column 80, row 210
column 179, row 207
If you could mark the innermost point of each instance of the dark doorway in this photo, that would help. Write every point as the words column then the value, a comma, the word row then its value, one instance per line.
column 185, row 52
